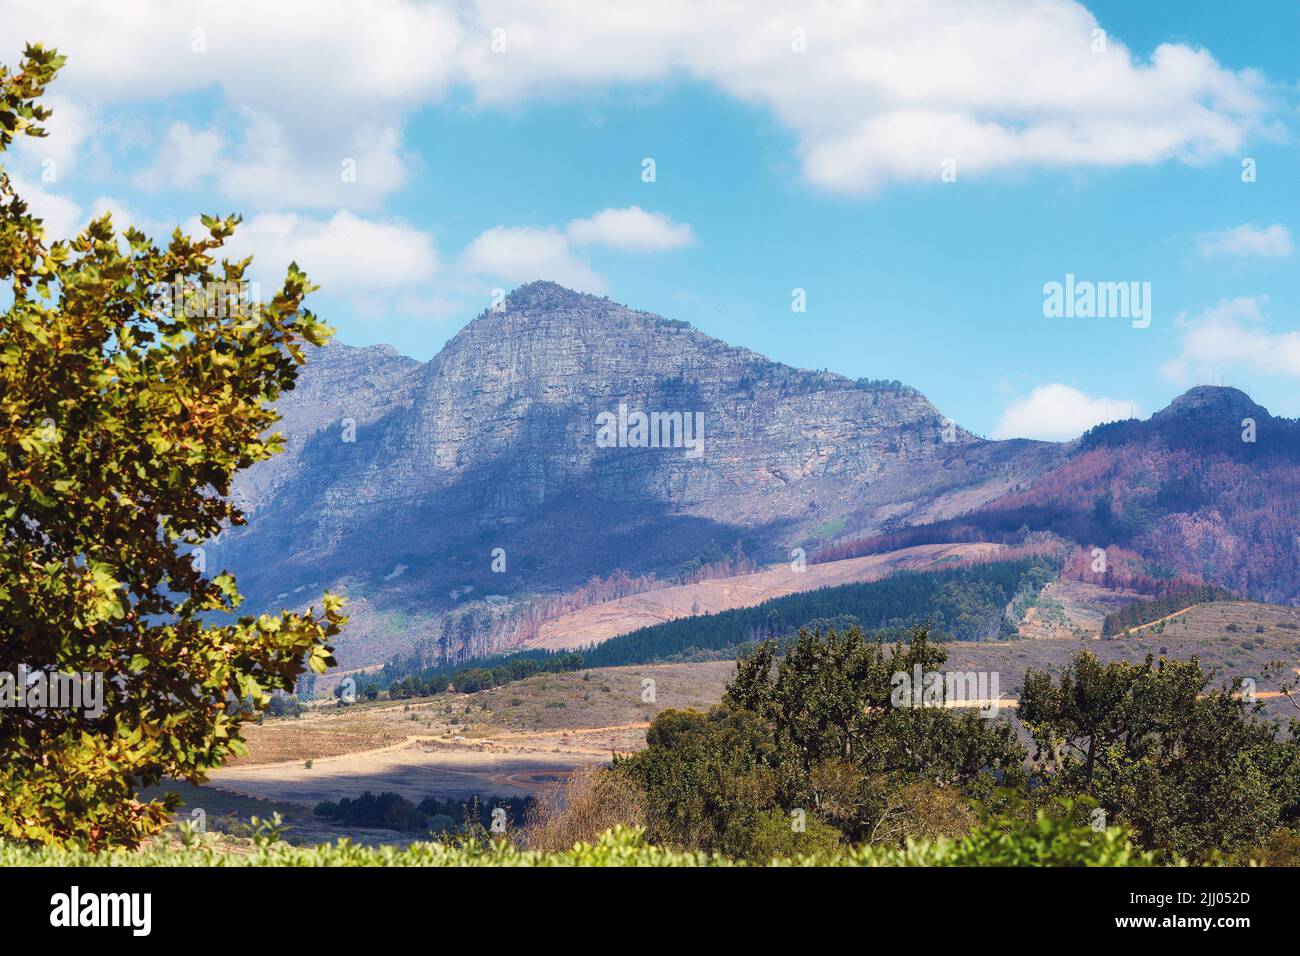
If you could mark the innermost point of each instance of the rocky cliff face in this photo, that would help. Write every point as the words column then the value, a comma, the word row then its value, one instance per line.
column 401, row 479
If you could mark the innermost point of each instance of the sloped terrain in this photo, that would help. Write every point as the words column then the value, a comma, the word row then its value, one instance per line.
column 1207, row 489
column 612, row 618
column 515, row 739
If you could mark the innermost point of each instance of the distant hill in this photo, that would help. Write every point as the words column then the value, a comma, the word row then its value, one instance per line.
column 1208, row 487
column 1184, row 491
column 1234, row 638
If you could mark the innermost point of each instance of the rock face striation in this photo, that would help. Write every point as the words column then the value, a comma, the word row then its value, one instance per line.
column 418, row 487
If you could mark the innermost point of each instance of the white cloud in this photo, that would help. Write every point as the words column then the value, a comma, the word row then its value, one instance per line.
column 1272, row 242
column 263, row 167
column 297, row 55
column 65, row 218
column 270, row 167
column 345, row 254
column 61, row 216
column 524, row 253
column 1058, row 413
column 1233, row 337
column 631, row 229
column 884, row 92
column 63, row 137
column 184, row 157
column 305, row 86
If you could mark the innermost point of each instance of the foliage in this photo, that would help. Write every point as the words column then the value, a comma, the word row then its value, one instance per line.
column 284, row 705
column 771, row 836
column 482, row 675
column 1189, row 768
column 1054, row 840
column 1280, row 848
column 1171, row 602
column 135, row 381
column 590, row 801
column 392, row 811
column 815, row 732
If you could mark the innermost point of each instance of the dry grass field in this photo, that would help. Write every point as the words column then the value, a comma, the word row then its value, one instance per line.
column 508, row 741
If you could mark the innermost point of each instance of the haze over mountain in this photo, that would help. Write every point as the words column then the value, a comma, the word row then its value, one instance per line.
column 401, row 479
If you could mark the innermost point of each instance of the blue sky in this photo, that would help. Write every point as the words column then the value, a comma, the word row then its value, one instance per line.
column 484, row 159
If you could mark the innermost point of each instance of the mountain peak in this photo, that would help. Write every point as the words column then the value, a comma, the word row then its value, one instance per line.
column 1213, row 401
column 542, row 294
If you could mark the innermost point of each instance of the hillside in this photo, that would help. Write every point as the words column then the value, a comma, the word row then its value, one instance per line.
column 611, row 618
column 1184, row 491
column 1208, row 487
column 514, row 739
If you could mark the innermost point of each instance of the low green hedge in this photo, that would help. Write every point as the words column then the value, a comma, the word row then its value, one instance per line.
column 1049, row 842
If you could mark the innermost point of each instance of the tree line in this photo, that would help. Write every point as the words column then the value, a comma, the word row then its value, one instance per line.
column 962, row 604
column 467, row 679
column 1171, row 602
column 392, row 811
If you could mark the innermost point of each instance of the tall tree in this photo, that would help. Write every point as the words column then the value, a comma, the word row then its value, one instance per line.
column 1189, row 767
column 135, row 381
column 819, row 733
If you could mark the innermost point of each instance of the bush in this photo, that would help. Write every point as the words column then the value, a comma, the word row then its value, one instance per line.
column 774, row 835
column 1279, row 848
column 819, row 729
column 591, row 801
column 1054, row 838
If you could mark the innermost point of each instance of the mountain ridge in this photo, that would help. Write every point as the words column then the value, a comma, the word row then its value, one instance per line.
column 420, row 489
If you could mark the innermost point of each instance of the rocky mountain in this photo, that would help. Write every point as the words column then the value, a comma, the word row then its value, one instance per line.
column 516, row 462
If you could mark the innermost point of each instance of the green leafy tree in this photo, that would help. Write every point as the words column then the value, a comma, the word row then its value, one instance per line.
column 1188, row 767
column 830, row 704
column 135, row 381
column 709, row 779
column 816, row 730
